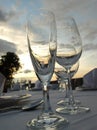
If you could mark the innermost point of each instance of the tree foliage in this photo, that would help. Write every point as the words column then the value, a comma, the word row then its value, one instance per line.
column 9, row 65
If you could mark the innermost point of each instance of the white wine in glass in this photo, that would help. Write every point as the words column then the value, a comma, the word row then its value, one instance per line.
column 41, row 36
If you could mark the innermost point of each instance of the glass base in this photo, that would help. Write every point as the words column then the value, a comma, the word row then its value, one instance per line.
column 72, row 110
column 65, row 101
column 48, row 122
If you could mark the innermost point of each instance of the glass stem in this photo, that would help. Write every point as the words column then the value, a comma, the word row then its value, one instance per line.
column 70, row 92
column 46, row 104
column 66, row 84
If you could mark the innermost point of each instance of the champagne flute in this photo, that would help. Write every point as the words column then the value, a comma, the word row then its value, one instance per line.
column 41, row 36
column 69, row 50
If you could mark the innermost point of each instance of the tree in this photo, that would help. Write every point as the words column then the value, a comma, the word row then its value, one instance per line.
column 9, row 65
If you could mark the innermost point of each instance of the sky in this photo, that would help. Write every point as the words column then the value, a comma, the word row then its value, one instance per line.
column 13, row 15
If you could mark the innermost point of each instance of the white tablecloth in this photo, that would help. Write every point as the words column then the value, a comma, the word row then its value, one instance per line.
column 16, row 120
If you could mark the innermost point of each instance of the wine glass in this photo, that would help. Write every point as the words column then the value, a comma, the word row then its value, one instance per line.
column 62, row 74
column 41, row 36
column 69, row 50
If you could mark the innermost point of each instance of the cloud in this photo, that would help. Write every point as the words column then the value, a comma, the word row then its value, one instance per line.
column 27, row 71
column 91, row 35
column 6, row 46
column 14, row 35
column 88, row 47
column 6, row 16
column 2, row 15
column 65, row 6
column 82, row 11
column 14, row 39
column 84, row 14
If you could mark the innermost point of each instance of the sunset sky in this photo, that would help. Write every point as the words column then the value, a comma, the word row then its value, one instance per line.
column 13, row 14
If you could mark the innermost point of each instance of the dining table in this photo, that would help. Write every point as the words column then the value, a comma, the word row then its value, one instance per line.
column 17, row 119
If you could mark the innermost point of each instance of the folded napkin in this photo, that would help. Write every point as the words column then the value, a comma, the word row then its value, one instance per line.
column 7, row 101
